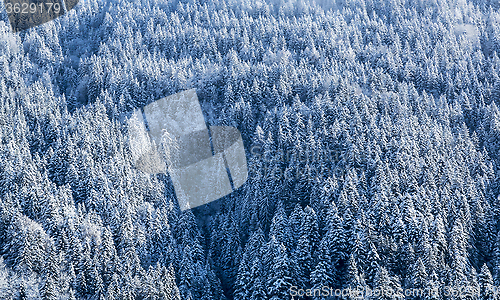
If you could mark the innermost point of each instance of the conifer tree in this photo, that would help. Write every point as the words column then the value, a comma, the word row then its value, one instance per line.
column 279, row 280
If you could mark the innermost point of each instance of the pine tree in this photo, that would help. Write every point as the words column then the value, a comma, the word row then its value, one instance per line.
column 296, row 218
column 333, row 252
column 187, row 274
column 371, row 262
column 280, row 228
column 168, row 290
column 49, row 290
column 320, row 276
column 304, row 260
column 354, row 281
column 419, row 280
column 310, row 230
column 384, row 286
column 249, row 264
column 256, row 287
column 279, row 280
column 488, row 291
column 459, row 261
column 258, row 292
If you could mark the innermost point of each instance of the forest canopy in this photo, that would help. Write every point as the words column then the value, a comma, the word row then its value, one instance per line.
column 386, row 112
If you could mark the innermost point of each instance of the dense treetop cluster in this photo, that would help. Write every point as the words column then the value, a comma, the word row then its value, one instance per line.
column 404, row 92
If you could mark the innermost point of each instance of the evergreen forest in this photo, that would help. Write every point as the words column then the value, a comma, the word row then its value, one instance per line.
column 371, row 129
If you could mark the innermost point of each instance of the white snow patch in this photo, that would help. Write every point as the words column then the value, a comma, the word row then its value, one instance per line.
column 469, row 30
